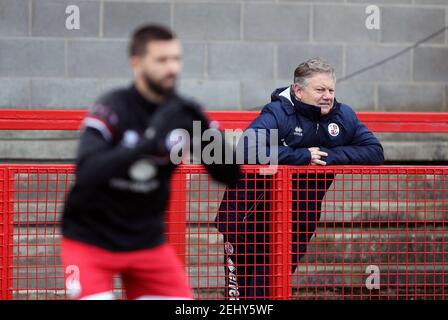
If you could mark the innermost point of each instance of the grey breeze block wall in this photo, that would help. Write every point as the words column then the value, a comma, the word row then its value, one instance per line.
column 235, row 52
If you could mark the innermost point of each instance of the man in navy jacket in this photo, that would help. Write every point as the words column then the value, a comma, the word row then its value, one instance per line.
column 313, row 129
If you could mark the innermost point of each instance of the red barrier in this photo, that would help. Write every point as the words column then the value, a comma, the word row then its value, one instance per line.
column 388, row 220
column 389, row 217
column 12, row 119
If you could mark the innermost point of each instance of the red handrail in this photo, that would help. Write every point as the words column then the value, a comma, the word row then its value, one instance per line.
column 21, row 119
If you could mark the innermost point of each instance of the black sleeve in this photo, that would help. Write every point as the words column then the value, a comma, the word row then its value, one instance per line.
column 186, row 112
column 98, row 160
column 101, row 157
column 228, row 173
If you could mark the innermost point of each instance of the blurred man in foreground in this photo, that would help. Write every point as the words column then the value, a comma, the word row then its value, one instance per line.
column 113, row 221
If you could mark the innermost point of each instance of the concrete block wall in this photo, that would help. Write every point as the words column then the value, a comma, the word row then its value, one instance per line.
column 236, row 52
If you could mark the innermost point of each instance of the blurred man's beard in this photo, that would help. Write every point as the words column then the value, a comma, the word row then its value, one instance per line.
column 156, row 87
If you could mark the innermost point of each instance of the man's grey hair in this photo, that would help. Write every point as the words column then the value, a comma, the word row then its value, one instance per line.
column 310, row 67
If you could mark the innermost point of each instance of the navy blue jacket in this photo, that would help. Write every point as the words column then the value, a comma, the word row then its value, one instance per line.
column 300, row 126
column 244, row 211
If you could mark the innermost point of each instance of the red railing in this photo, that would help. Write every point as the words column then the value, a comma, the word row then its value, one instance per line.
column 12, row 119
column 389, row 218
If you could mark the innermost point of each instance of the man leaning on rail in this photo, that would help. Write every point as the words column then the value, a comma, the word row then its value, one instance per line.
column 313, row 129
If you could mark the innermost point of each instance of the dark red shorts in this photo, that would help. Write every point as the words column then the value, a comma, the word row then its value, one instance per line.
column 154, row 273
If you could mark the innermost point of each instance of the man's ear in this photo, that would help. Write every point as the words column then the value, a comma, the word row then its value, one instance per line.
column 134, row 63
column 297, row 91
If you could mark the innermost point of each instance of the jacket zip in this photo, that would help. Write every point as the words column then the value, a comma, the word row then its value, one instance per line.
column 317, row 134
column 250, row 211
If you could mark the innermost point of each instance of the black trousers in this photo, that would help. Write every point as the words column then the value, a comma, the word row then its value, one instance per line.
column 244, row 220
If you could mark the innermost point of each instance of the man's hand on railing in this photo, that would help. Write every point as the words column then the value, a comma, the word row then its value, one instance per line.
column 316, row 155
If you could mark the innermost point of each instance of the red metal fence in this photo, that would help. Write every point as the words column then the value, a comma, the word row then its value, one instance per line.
column 13, row 119
column 389, row 219
column 382, row 233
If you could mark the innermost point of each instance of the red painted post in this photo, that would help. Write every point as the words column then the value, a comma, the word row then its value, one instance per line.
column 10, row 239
column 3, row 235
column 6, row 232
column 281, row 235
column 287, row 233
column 176, row 214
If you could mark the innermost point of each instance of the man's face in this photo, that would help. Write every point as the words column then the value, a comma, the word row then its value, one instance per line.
column 318, row 92
column 160, row 67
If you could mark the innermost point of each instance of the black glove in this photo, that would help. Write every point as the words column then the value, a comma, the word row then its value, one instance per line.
column 179, row 113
